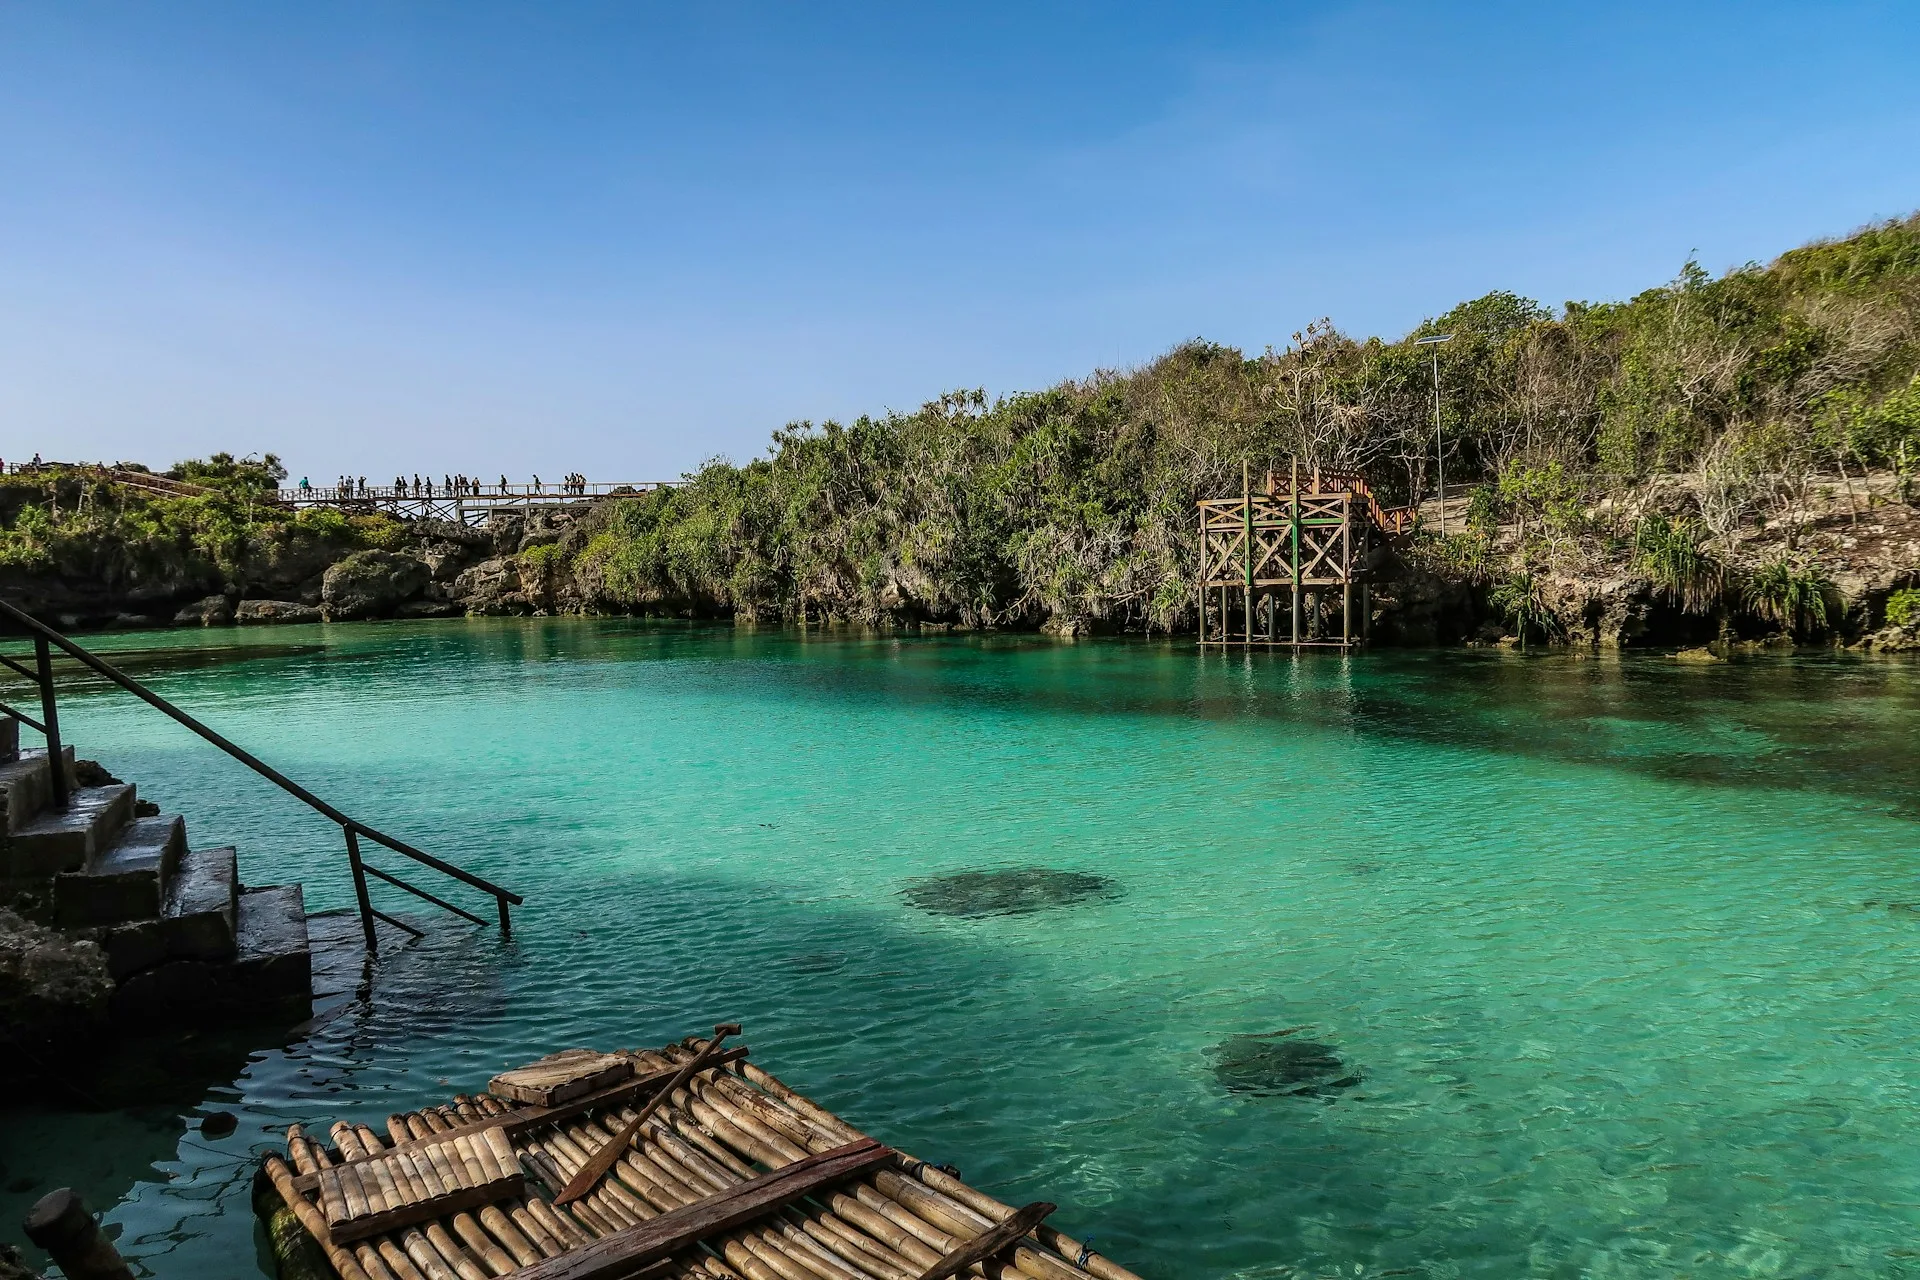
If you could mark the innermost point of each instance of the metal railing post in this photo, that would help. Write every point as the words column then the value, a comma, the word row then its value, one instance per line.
column 360, row 889
column 506, row 925
column 50, row 721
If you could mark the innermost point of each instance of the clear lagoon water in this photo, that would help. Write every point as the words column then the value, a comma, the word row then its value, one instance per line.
column 1602, row 967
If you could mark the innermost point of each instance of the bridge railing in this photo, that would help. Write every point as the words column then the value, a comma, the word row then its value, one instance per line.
column 40, row 672
column 477, row 493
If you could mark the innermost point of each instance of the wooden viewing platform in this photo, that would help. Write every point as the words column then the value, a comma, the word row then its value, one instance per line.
column 1270, row 559
column 686, row 1161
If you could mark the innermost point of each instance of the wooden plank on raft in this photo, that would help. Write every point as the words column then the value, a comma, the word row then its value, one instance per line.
column 560, row 1077
column 628, row 1250
column 521, row 1119
column 985, row 1246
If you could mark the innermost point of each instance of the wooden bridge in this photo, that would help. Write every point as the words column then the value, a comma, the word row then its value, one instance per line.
column 470, row 504
column 1283, row 550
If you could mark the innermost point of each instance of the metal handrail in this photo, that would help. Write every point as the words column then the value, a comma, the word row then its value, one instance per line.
column 44, row 636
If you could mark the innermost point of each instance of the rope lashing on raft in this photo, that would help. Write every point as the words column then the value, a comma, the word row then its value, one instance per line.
column 1086, row 1252
column 913, row 1166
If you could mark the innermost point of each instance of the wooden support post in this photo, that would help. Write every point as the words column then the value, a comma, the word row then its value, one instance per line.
column 1346, row 571
column 1246, row 522
column 1200, row 584
column 1293, row 516
column 60, row 1224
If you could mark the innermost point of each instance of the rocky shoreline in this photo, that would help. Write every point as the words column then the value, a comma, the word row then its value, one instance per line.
column 1587, row 590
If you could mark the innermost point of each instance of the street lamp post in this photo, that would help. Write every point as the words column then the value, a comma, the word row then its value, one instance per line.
column 1439, row 445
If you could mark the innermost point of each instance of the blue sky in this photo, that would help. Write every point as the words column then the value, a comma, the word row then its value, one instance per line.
column 621, row 238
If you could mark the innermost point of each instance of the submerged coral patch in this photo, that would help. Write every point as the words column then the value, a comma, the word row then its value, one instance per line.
column 1271, row 1065
column 1010, row 891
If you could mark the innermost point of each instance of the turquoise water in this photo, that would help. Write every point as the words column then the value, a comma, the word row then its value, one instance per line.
column 1623, row 952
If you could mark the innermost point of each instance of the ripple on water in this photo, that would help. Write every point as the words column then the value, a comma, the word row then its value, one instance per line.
column 1009, row 891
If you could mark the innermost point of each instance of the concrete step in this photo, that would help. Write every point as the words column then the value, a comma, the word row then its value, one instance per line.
column 202, row 902
column 65, row 840
column 195, row 921
column 126, row 880
column 271, row 956
column 25, row 786
column 270, row 973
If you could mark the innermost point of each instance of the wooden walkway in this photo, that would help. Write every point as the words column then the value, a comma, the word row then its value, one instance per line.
column 471, row 505
column 685, row 1161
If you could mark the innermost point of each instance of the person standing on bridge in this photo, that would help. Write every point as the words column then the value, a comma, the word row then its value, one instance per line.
column 536, row 484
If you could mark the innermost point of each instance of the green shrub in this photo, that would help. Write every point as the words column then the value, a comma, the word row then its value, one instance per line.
column 379, row 531
column 1792, row 592
column 1461, row 557
column 1483, row 509
column 1673, row 555
column 1903, row 607
column 1520, row 601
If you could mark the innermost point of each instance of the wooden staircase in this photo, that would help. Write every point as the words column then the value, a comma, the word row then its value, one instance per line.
column 185, row 940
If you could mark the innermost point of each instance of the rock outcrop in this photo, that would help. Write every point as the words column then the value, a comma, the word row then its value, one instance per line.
column 372, row 584
column 254, row 612
column 492, row 586
column 213, row 611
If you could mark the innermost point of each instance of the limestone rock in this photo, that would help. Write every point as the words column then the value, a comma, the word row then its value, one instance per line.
column 428, row 609
column 492, row 586
column 214, row 611
column 445, row 560
column 371, row 584
column 51, row 986
column 1894, row 640
column 250, row 612
column 452, row 531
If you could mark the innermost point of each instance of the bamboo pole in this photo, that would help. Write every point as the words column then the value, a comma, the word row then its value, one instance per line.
column 342, row 1261
column 309, row 1157
column 1060, row 1243
column 941, row 1231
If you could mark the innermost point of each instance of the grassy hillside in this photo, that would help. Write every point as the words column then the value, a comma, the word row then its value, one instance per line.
column 1075, row 504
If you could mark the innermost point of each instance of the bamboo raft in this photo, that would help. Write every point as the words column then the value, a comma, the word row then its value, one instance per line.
column 687, row 1161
